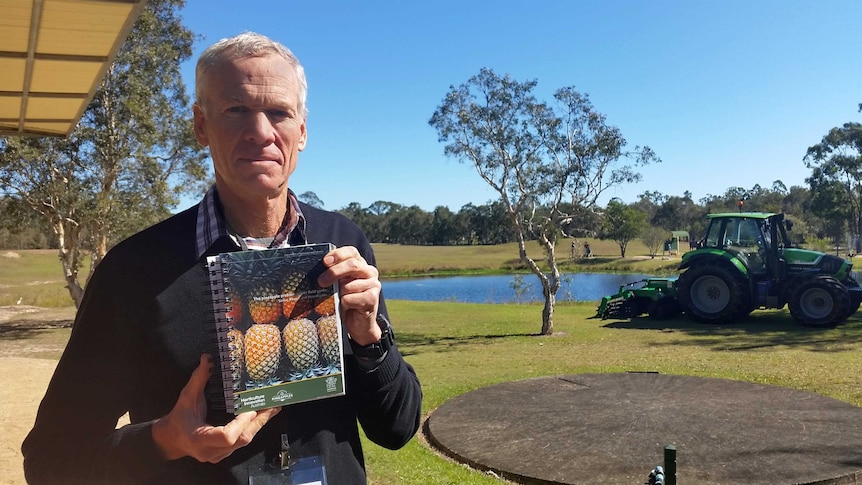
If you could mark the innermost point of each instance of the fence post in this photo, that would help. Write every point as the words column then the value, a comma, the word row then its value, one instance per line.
column 670, row 465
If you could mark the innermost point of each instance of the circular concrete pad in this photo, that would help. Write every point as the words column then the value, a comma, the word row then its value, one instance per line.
column 612, row 429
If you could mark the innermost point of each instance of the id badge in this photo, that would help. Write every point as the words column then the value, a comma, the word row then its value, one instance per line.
column 302, row 471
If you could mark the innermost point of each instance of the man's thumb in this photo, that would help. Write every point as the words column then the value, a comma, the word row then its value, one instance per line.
column 200, row 376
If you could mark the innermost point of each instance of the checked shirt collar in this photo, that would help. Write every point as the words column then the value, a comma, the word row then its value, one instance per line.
column 211, row 225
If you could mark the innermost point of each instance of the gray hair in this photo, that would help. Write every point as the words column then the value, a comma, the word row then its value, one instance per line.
column 248, row 44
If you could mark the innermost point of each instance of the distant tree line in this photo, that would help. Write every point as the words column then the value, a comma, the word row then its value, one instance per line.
column 815, row 218
column 389, row 222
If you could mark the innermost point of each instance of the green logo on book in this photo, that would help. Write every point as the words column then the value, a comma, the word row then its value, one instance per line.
column 282, row 396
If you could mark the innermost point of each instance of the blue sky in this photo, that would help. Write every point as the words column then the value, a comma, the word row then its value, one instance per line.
column 728, row 93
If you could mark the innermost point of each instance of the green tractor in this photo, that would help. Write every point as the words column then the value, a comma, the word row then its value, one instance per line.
column 746, row 262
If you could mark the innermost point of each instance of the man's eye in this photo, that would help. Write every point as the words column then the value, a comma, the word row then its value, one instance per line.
column 236, row 109
column 278, row 113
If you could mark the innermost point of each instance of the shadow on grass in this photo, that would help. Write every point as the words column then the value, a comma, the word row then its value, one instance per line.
column 414, row 343
column 26, row 328
column 760, row 330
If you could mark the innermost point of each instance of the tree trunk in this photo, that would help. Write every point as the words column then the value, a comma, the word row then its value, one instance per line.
column 67, row 252
column 550, row 285
column 548, row 312
column 547, row 286
column 622, row 249
column 75, row 289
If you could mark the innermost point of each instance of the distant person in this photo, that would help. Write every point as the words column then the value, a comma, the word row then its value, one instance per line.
column 588, row 253
column 143, row 334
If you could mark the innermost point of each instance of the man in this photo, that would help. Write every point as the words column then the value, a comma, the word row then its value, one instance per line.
column 142, row 335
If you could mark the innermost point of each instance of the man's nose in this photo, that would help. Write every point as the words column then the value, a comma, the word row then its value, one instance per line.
column 260, row 129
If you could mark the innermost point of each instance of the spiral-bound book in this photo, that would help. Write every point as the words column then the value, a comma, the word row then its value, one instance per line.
column 279, row 333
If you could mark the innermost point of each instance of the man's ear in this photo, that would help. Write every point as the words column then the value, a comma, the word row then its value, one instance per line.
column 304, row 138
column 200, row 125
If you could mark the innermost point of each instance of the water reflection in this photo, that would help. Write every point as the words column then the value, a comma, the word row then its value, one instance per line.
column 499, row 288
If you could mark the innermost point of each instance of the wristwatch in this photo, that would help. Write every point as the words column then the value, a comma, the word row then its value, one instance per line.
column 376, row 350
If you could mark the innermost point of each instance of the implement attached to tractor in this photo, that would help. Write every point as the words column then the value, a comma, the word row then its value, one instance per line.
column 654, row 296
column 745, row 262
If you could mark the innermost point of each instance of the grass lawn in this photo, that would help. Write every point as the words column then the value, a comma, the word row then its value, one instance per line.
column 33, row 277
column 459, row 347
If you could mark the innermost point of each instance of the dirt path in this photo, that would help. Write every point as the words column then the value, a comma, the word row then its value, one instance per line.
column 31, row 340
column 24, row 382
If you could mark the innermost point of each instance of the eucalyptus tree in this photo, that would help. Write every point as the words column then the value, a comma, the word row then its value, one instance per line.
column 836, row 177
column 446, row 228
column 129, row 159
column 654, row 238
column 622, row 224
column 536, row 156
column 649, row 203
column 486, row 224
column 679, row 213
column 362, row 217
column 311, row 199
column 409, row 225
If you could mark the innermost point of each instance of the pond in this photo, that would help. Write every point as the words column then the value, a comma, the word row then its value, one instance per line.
column 499, row 288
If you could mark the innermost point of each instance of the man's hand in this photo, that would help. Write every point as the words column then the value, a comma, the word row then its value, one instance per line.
column 359, row 289
column 184, row 431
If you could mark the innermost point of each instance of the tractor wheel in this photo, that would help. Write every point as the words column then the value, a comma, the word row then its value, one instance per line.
column 819, row 301
column 664, row 308
column 852, row 309
column 851, row 282
column 713, row 293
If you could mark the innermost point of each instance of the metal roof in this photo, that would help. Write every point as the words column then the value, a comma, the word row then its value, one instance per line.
column 53, row 55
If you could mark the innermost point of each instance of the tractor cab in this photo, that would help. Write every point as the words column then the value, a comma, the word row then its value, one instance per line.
column 755, row 238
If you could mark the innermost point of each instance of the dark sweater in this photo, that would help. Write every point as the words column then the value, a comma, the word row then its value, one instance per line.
column 138, row 335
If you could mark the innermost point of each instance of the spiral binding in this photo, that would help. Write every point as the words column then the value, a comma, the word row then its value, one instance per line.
column 219, row 290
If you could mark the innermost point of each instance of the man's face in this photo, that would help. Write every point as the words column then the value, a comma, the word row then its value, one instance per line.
column 251, row 120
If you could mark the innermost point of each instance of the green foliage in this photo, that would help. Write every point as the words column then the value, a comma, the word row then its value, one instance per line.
column 519, row 286
column 679, row 213
column 138, row 132
column 487, row 224
column 821, row 244
column 535, row 154
column 393, row 223
column 836, row 179
column 21, row 227
column 654, row 239
column 128, row 160
column 622, row 223
column 311, row 199
column 446, row 228
column 542, row 158
column 490, row 224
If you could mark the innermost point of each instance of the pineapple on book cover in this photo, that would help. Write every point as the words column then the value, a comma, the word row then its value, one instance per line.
column 291, row 331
